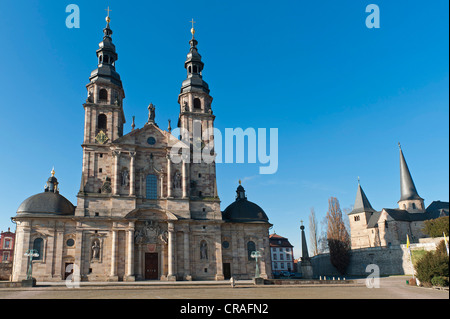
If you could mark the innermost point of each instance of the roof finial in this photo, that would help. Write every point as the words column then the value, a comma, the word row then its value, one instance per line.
column 192, row 30
column 358, row 181
column 133, row 125
column 240, row 182
column 108, row 19
column 53, row 171
column 399, row 145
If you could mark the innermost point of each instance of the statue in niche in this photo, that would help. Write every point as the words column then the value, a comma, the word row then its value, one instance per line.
column 124, row 177
column 177, row 180
column 203, row 250
column 95, row 250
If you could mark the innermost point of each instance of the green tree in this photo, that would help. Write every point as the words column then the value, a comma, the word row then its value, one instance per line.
column 436, row 227
column 432, row 265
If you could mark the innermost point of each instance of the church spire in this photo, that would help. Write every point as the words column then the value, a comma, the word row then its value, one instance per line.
column 362, row 204
column 409, row 198
column 194, row 67
column 107, row 57
column 407, row 188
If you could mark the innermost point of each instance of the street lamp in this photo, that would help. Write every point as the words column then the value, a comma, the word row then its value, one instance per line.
column 30, row 254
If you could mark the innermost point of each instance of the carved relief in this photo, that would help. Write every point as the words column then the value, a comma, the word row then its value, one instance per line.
column 150, row 233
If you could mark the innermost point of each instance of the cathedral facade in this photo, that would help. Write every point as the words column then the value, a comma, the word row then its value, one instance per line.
column 141, row 215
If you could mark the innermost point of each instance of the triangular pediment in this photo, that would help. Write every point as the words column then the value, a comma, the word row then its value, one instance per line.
column 148, row 136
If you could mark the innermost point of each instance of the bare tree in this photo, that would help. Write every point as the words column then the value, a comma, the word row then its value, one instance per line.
column 337, row 236
column 313, row 232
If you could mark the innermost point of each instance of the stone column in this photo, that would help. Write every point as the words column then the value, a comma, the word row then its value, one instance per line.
column 58, row 271
column 185, row 181
column 130, row 253
column 116, row 155
column 161, row 181
column 113, row 274
column 187, row 265
column 20, row 265
column 171, row 276
column 132, row 174
column 78, row 266
column 139, row 274
column 219, row 263
column 169, row 176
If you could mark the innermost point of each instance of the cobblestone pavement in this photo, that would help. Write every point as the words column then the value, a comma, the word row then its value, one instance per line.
column 390, row 288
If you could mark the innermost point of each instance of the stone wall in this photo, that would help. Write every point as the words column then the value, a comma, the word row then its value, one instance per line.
column 394, row 260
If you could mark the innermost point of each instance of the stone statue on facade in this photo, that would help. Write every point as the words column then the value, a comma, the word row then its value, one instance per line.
column 95, row 250
column 151, row 114
column 203, row 250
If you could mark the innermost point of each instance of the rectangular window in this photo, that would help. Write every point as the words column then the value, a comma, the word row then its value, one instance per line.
column 151, row 187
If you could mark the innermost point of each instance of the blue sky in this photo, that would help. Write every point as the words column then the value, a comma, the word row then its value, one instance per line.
column 341, row 95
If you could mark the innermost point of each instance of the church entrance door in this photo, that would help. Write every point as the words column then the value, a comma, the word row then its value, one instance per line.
column 151, row 266
column 226, row 271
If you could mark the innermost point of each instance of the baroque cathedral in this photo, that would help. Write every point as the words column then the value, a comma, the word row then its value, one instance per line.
column 139, row 214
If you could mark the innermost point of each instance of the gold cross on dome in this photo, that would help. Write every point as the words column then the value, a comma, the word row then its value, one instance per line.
column 192, row 21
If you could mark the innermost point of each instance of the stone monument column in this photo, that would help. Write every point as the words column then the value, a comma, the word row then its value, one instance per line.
column 171, row 252
column 306, row 266
column 132, row 174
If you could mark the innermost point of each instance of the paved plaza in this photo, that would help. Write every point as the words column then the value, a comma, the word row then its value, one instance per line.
column 390, row 288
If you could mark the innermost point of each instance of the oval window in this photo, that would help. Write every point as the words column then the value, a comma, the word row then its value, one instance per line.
column 151, row 140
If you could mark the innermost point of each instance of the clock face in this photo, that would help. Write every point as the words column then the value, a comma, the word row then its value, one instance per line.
column 101, row 137
column 151, row 140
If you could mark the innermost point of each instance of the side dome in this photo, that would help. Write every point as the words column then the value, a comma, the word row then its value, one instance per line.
column 46, row 203
column 50, row 202
column 243, row 210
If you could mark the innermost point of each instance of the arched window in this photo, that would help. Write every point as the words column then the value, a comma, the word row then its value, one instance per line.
column 413, row 206
column 102, row 122
column 189, row 69
column 250, row 247
column 38, row 245
column 195, row 69
column 106, row 59
column 151, row 188
column 103, row 95
column 197, row 103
